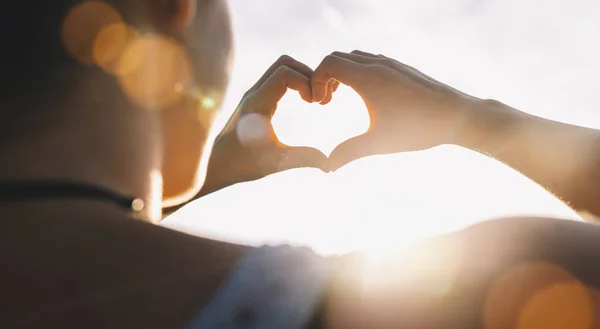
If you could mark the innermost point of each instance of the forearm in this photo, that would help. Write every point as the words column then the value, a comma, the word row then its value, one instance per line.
column 563, row 158
column 221, row 165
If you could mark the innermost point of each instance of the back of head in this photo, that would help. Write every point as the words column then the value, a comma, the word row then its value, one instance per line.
column 48, row 44
column 32, row 54
column 60, row 59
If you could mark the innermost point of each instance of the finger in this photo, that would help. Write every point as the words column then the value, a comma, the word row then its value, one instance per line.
column 366, row 54
column 303, row 157
column 333, row 67
column 352, row 149
column 410, row 72
column 380, row 56
column 357, row 57
column 370, row 59
column 336, row 85
column 284, row 78
column 284, row 60
column 330, row 91
column 384, row 59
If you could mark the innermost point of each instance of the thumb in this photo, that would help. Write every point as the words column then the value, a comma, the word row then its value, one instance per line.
column 350, row 150
column 303, row 157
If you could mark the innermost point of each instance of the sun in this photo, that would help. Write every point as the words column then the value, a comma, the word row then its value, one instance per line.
column 377, row 205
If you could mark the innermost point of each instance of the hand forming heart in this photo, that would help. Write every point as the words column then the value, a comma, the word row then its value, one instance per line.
column 409, row 111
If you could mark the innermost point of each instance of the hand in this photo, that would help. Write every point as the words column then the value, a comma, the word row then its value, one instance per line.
column 248, row 148
column 409, row 110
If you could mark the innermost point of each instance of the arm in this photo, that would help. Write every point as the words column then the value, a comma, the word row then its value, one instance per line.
column 563, row 158
column 233, row 160
column 507, row 273
column 411, row 111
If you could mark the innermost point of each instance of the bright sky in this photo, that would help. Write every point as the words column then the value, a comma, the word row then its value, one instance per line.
column 536, row 55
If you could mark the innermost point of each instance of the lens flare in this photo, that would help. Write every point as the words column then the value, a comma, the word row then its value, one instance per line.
column 538, row 295
column 253, row 129
column 109, row 45
column 153, row 70
column 208, row 103
column 82, row 25
column 158, row 67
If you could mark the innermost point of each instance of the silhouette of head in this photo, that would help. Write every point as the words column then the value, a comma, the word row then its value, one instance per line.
column 157, row 69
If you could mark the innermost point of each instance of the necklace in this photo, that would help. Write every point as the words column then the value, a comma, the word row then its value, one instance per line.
column 34, row 190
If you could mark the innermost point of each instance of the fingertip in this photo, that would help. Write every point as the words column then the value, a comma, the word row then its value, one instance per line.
column 336, row 85
column 329, row 92
column 307, row 97
column 304, row 157
column 319, row 91
column 332, row 164
column 327, row 99
column 324, row 165
column 318, row 96
column 335, row 164
column 343, row 154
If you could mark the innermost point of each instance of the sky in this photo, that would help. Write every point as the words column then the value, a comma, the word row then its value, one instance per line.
column 539, row 56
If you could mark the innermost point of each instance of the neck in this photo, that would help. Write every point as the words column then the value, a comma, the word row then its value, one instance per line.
column 115, row 152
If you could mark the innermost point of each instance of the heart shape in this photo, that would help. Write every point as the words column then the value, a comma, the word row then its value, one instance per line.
column 267, row 147
column 407, row 111
column 301, row 134
column 298, row 123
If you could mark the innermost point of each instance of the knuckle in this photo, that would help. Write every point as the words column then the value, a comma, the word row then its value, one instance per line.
column 385, row 62
column 249, row 100
column 282, row 71
column 378, row 67
column 249, row 103
column 330, row 59
column 336, row 53
column 356, row 51
column 285, row 59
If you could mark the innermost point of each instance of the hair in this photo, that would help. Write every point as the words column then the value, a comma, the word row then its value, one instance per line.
column 31, row 43
column 35, row 65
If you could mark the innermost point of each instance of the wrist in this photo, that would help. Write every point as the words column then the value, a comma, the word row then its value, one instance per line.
column 486, row 125
column 218, row 172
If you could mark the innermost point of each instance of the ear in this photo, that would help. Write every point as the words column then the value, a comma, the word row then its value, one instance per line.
column 175, row 14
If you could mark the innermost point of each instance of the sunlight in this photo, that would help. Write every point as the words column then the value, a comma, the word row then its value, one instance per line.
column 301, row 123
column 379, row 203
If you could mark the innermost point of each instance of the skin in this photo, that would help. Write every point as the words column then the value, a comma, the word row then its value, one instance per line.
column 527, row 251
column 400, row 98
column 71, row 263
column 233, row 161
